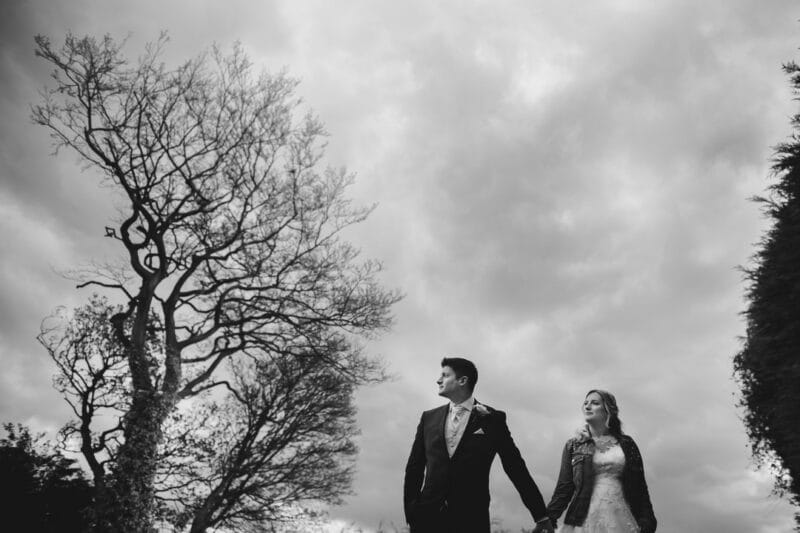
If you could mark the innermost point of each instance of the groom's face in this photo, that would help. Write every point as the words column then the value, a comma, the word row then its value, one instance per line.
column 449, row 383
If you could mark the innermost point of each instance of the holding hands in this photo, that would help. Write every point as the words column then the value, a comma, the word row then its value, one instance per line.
column 544, row 526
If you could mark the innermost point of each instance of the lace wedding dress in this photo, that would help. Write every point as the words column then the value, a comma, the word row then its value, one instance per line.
column 608, row 511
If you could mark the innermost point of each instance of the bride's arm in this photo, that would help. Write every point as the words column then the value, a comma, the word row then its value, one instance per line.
column 645, row 516
column 565, row 487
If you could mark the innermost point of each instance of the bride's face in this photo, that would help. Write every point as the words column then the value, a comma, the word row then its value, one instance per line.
column 593, row 409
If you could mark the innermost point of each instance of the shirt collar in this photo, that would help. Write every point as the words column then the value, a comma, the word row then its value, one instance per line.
column 467, row 404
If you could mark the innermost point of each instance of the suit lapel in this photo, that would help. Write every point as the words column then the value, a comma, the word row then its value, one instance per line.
column 441, row 424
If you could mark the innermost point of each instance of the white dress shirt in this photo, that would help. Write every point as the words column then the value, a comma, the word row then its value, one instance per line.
column 454, row 429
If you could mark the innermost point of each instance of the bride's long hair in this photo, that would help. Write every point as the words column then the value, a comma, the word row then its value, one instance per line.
column 613, row 423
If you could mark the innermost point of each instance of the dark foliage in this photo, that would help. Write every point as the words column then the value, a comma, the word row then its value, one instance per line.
column 41, row 490
column 768, row 366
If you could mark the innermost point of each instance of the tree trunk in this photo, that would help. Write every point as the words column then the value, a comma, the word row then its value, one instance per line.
column 128, row 505
column 202, row 519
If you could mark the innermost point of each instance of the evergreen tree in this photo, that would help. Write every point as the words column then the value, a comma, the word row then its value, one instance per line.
column 768, row 366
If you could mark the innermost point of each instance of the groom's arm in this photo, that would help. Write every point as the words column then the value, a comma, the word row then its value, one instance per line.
column 517, row 472
column 415, row 471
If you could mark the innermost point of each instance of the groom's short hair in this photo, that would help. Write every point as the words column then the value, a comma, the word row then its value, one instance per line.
column 463, row 367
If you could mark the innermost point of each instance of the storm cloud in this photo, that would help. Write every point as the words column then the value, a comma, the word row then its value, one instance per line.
column 562, row 196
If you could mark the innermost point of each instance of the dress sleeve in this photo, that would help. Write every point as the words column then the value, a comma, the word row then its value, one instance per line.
column 645, row 516
column 565, row 486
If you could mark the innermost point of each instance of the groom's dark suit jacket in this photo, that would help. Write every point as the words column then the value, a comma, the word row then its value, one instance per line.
column 458, row 487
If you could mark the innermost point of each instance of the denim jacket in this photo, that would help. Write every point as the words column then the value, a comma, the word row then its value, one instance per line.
column 576, row 481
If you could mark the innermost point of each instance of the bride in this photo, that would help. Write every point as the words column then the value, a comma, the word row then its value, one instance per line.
column 602, row 477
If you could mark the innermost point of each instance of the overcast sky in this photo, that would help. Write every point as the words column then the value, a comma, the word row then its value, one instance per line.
column 562, row 197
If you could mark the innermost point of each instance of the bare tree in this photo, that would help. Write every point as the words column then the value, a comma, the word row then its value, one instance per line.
column 276, row 439
column 283, row 441
column 92, row 376
column 230, row 229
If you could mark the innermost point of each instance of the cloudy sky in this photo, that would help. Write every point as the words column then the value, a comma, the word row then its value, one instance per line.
column 562, row 197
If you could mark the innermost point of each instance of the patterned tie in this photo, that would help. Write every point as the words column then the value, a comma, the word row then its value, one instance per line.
column 458, row 413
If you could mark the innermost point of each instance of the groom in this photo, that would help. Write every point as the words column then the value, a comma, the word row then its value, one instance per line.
column 453, row 452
